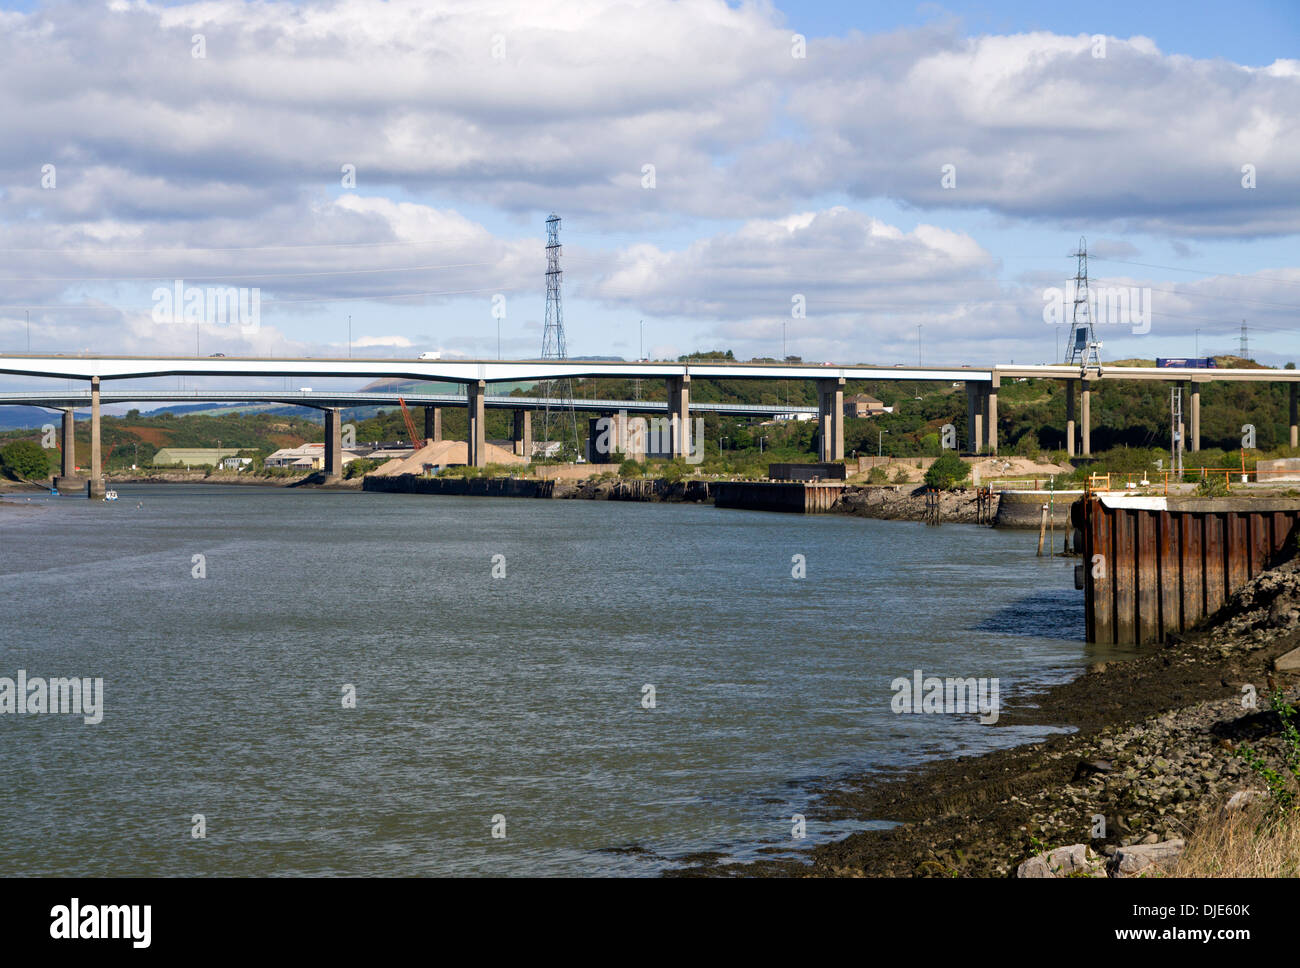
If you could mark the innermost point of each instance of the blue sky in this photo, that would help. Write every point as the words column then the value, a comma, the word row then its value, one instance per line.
column 1247, row 33
column 778, row 178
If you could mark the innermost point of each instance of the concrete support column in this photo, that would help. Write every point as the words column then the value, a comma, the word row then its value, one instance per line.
column 974, row 417
column 1295, row 414
column 1196, row 416
column 679, row 413
column 432, row 424
column 66, row 480
column 95, row 486
column 1085, row 413
column 68, row 455
column 1069, row 417
column 830, row 412
column 991, row 414
column 477, row 443
column 523, row 435
column 334, row 443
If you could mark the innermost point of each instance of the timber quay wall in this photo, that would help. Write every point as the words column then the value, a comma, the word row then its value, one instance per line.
column 1153, row 566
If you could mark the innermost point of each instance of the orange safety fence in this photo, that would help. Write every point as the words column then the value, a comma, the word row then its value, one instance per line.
column 1192, row 475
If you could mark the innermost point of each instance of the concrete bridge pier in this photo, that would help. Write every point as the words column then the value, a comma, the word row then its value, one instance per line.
column 477, row 442
column 1085, row 413
column 974, row 417
column 679, row 413
column 991, row 413
column 523, row 433
column 67, row 480
column 1196, row 415
column 432, row 424
column 333, row 444
column 1069, row 417
column 830, row 419
column 1295, row 414
column 982, row 415
column 95, row 486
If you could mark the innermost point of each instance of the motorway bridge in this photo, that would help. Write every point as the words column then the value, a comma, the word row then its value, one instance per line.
column 982, row 384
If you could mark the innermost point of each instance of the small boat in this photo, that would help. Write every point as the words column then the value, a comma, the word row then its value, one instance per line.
column 110, row 495
column 54, row 492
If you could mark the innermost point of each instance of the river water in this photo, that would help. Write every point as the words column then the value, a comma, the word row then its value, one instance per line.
column 511, row 703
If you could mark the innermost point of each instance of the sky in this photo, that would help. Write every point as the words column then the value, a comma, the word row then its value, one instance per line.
column 845, row 182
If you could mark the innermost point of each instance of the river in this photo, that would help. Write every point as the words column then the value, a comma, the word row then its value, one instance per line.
column 513, row 702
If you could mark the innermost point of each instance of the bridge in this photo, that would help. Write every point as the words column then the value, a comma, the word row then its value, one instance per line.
column 332, row 402
column 982, row 385
column 326, row 400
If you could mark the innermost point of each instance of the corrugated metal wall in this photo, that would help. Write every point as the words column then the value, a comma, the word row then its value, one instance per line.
column 1148, row 572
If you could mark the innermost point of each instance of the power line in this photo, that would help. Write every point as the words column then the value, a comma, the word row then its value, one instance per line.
column 327, row 299
column 248, row 248
column 1203, row 272
column 262, row 275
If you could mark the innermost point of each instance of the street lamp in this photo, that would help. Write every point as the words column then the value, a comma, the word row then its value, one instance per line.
column 880, row 436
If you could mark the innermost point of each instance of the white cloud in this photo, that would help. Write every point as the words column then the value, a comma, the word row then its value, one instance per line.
column 227, row 168
column 586, row 93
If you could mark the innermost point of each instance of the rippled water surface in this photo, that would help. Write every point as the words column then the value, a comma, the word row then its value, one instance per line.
column 518, row 696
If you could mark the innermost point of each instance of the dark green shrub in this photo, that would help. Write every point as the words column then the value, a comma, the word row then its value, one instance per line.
column 947, row 471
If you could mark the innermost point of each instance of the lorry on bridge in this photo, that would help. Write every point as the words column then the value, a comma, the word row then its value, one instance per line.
column 1196, row 363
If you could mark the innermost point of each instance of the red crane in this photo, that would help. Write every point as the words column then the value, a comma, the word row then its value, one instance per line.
column 416, row 442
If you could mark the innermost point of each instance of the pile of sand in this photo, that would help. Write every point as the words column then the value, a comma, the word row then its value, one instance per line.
column 990, row 467
column 443, row 453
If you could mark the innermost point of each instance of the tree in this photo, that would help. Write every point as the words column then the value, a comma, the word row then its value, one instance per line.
column 26, row 460
column 947, row 471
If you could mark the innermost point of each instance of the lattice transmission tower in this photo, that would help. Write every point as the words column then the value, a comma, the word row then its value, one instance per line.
column 558, row 417
column 1083, row 343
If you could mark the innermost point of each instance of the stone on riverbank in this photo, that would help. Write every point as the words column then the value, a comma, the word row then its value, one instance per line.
column 1142, row 860
column 1077, row 860
column 1289, row 662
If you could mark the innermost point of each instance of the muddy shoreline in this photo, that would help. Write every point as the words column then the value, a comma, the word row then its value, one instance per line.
column 1154, row 754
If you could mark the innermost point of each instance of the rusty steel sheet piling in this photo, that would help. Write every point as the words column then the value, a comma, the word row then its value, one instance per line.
column 1154, row 566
